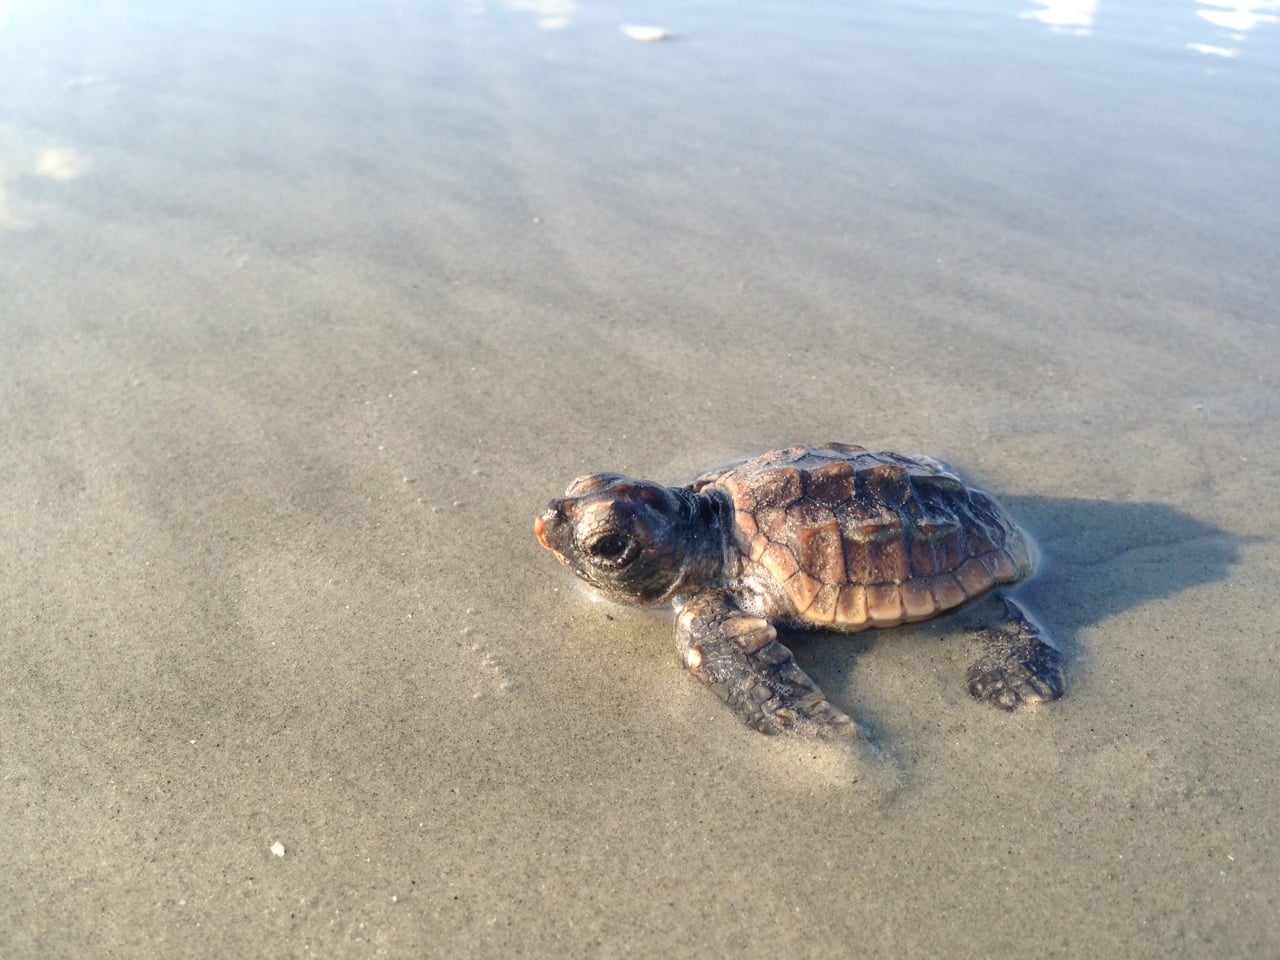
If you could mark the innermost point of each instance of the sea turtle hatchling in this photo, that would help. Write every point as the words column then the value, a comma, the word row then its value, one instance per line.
column 832, row 537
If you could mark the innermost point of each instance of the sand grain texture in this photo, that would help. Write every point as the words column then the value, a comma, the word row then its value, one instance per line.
column 303, row 318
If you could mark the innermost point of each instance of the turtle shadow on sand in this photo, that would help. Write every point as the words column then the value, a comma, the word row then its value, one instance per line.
column 1116, row 556
column 1097, row 559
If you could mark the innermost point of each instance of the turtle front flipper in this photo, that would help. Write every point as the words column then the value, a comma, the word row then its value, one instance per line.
column 1019, row 665
column 740, row 658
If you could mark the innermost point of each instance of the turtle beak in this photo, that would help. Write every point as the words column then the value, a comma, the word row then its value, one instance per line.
column 546, row 525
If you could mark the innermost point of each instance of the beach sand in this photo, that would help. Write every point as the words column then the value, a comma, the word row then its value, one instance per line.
column 304, row 315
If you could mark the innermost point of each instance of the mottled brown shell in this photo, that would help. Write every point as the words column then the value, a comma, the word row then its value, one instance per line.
column 860, row 539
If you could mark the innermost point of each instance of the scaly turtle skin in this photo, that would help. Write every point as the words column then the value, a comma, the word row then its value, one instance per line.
column 832, row 537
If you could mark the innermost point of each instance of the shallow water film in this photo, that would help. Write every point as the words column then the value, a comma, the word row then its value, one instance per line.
column 307, row 310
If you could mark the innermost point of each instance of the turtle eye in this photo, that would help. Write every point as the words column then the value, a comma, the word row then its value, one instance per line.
column 614, row 548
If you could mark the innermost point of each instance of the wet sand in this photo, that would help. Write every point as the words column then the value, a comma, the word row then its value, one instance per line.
column 305, row 316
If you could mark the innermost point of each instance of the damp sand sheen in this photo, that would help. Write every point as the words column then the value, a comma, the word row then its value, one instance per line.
column 304, row 315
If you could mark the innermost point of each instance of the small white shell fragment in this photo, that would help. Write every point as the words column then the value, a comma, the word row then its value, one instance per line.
column 644, row 34
column 277, row 848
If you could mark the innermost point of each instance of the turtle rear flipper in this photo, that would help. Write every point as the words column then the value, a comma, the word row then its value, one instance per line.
column 1019, row 666
column 739, row 657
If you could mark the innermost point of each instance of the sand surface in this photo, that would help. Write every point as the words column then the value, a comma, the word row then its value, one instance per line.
column 306, row 311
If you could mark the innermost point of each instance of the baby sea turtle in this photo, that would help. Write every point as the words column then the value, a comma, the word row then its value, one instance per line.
column 832, row 537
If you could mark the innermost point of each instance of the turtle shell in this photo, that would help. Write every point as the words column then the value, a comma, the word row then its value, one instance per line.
column 859, row 539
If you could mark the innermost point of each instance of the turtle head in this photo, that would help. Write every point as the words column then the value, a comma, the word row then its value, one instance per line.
column 634, row 541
